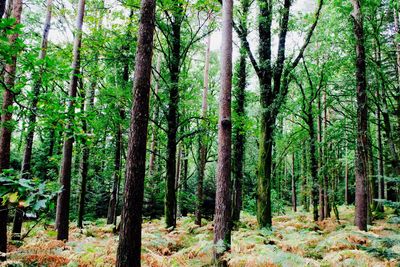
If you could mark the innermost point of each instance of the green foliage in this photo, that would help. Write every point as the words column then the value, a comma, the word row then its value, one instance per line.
column 30, row 194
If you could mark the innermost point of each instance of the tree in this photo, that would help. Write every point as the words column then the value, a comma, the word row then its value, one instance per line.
column 222, row 235
column 129, row 245
column 202, row 137
column 239, row 104
column 362, row 120
column 273, row 82
column 6, row 120
column 62, row 215
column 26, row 163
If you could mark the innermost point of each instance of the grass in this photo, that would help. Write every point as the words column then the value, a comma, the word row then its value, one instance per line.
column 294, row 240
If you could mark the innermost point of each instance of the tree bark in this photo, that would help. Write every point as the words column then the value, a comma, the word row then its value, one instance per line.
column 203, row 138
column 362, row 121
column 153, row 145
column 26, row 163
column 112, row 206
column 172, row 117
column 129, row 245
column 6, row 128
column 62, row 215
column 222, row 220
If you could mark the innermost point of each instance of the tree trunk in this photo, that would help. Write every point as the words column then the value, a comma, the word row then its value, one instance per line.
column 362, row 121
column 202, row 138
column 326, row 206
column 313, row 164
column 346, row 178
column 6, row 129
column 172, row 118
column 155, row 118
column 112, row 206
column 294, row 198
column 222, row 220
column 26, row 163
column 320, row 161
column 62, row 216
column 129, row 245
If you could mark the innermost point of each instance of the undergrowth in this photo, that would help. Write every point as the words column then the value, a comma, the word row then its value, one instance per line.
column 294, row 240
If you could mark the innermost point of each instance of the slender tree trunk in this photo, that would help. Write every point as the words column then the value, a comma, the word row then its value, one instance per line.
column 202, row 138
column 346, row 178
column 313, row 165
column 326, row 206
column 362, row 121
column 397, row 45
column 155, row 118
column 222, row 220
column 238, row 126
column 26, row 163
column 112, row 206
column 62, row 216
column 184, row 209
column 320, row 161
column 6, row 129
column 129, row 245
column 381, row 183
column 304, row 186
column 294, row 198
column 172, row 118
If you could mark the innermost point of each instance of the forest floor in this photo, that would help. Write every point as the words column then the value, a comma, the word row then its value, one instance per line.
column 295, row 240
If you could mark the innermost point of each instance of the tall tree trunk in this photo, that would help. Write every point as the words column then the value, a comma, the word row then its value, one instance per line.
column 397, row 45
column 326, row 206
column 26, row 163
column 304, row 186
column 294, row 198
column 155, row 118
column 129, row 245
column 62, row 216
column 346, row 177
column 313, row 164
column 184, row 209
column 222, row 220
column 238, row 127
column 362, row 121
column 172, row 118
column 85, row 153
column 112, row 205
column 6, row 117
column 202, row 138
column 320, row 161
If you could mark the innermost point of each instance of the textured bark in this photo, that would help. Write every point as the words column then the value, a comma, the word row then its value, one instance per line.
column 362, row 121
column 129, row 245
column 239, row 138
column 172, row 116
column 222, row 220
column 62, row 215
column 6, row 125
column 202, row 138
column 26, row 163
